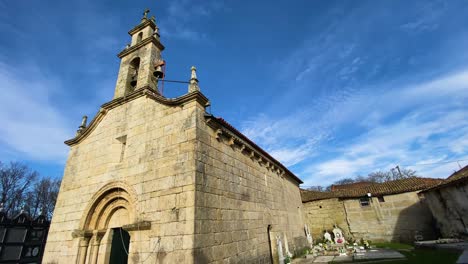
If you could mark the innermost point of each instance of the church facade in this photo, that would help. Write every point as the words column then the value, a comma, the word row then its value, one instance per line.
column 159, row 180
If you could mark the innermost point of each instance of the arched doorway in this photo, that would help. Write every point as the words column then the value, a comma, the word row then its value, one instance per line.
column 120, row 246
column 111, row 208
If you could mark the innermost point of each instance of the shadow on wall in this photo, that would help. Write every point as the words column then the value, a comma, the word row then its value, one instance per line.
column 415, row 223
column 450, row 209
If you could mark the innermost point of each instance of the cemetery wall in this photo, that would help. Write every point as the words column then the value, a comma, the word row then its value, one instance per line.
column 237, row 198
column 398, row 218
column 450, row 209
column 323, row 215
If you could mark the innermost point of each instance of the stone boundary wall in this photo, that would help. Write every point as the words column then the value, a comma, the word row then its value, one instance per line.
column 323, row 215
column 449, row 206
column 398, row 218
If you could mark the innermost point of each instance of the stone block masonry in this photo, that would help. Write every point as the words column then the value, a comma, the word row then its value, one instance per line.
column 182, row 192
column 153, row 170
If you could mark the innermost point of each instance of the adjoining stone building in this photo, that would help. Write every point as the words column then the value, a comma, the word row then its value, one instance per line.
column 160, row 180
column 390, row 211
column 448, row 202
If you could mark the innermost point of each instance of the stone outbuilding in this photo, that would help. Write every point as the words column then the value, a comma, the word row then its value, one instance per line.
column 159, row 180
column 389, row 211
column 448, row 202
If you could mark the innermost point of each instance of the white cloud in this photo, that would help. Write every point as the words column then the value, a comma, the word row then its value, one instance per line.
column 405, row 125
column 287, row 139
column 31, row 126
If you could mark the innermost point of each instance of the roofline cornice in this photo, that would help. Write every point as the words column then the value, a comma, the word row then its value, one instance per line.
column 245, row 144
column 144, row 91
column 142, row 43
column 140, row 26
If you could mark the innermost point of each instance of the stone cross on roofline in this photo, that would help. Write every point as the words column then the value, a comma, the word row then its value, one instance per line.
column 145, row 13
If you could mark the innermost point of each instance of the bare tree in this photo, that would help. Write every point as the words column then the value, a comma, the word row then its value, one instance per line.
column 391, row 175
column 380, row 176
column 344, row 181
column 21, row 188
column 15, row 180
column 42, row 197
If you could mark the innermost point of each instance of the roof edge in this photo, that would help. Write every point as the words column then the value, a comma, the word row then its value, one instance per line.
column 246, row 143
column 144, row 91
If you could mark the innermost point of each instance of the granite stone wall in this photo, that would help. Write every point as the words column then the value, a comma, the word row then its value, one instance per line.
column 324, row 215
column 398, row 217
column 237, row 198
column 184, row 194
column 449, row 207
column 138, row 167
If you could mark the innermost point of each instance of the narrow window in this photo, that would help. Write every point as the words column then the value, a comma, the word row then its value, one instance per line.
column 364, row 201
column 381, row 199
column 123, row 141
column 139, row 37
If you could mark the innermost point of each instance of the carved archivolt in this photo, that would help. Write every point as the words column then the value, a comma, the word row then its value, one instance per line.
column 110, row 198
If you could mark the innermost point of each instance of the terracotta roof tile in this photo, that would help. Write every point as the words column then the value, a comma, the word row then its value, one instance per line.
column 375, row 189
column 456, row 177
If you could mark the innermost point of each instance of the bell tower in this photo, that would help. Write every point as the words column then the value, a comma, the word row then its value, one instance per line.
column 141, row 60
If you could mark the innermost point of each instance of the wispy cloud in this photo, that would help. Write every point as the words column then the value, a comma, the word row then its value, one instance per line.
column 288, row 139
column 369, row 99
column 433, row 126
column 31, row 126
column 427, row 19
column 183, row 15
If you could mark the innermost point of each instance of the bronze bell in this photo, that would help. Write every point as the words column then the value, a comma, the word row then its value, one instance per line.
column 133, row 81
column 158, row 71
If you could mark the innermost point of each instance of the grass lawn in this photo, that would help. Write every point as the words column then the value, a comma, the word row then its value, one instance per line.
column 416, row 256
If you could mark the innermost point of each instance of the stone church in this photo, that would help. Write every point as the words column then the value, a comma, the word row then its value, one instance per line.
column 152, row 179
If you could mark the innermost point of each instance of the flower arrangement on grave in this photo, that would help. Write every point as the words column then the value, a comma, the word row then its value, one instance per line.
column 366, row 243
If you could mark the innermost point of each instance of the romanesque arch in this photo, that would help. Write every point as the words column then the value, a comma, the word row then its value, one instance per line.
column 112, row 206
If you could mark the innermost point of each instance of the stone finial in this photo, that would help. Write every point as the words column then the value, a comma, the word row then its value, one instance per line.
column 84, row 121
column 193, row 86
column 194, row 73
column 156, row 33
column 82, row 126
column 153, row 19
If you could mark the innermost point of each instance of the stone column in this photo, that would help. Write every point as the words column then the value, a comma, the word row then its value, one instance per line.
column 83, row 249
column 96, row 240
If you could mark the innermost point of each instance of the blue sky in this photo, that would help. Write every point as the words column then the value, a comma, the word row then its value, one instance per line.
column 332, row 89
